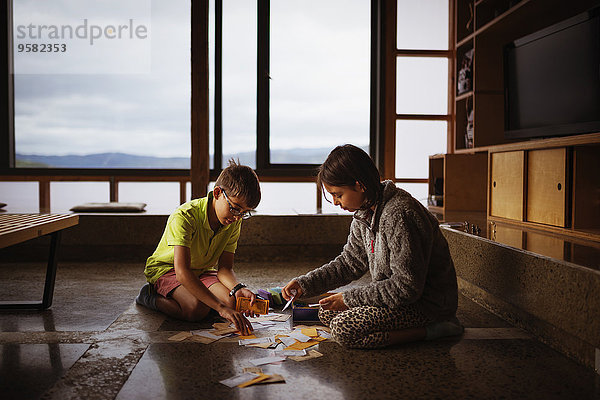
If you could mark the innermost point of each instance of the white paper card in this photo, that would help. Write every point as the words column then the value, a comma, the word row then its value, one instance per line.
column 206, row 334
column 324, row 334
column 299, row 336
column 287, row 353
column 266, row 360
column 238, row 379
column 288, row 341
column 244, row 342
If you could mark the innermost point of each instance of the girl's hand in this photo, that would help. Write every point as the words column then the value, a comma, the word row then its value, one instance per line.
column 241, row 323
column 334, row 302
column 293, row 285
column 244, row 292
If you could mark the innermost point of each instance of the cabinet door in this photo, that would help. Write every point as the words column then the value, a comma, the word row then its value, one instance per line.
column 547, row 186
column 506, row 186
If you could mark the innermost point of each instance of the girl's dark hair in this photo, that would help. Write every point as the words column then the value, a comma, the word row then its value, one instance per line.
column 348, row 164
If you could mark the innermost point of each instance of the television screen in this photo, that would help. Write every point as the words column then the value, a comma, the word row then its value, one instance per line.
column 552, row 80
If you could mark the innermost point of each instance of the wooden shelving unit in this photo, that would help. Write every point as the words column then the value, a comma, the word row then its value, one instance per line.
column 543, row 186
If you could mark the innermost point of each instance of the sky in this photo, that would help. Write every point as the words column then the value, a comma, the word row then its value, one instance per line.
column 133, row 96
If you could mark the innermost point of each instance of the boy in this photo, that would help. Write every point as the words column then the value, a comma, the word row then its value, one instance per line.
column 191, row 270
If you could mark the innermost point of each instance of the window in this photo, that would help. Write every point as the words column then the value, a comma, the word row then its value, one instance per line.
column 101, row 84
column 313, row 88
column 422, row 71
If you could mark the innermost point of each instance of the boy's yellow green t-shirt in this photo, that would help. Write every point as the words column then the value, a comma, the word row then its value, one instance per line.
column 188, row 226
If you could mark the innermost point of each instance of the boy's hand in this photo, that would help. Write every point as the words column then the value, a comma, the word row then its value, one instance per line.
column 335, row 302
column 244, row 292
column 287, row 293
column 241, row 323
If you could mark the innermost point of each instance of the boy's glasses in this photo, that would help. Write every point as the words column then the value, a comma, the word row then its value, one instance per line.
column 234, row 211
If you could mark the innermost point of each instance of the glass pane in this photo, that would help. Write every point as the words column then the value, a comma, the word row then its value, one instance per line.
column 423, row 25
column 64, row 195
column 415, row 142
column 239, row 81
column 417, row 190
column 94, row 99
column 287, row 198
column 211, row 84
column 319, row 88
column 421, row 85
column 20, row 197
column 160, row 197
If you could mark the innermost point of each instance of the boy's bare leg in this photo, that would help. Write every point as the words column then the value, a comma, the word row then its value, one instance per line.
column 182, row 305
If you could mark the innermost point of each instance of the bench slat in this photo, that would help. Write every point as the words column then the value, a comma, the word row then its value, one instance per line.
column 17, row 228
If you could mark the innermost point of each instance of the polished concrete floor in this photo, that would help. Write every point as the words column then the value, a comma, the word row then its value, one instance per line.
column 95, row 343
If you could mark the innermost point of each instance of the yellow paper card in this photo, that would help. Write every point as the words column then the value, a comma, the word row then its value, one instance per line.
column 223, row 332
column 312, row 332
column 260, row 378
column 275, row 378
column 260, row 306
column 247, row 337
column 180, row 336
column 302, row 346
column 221, row 325
column 311, row 354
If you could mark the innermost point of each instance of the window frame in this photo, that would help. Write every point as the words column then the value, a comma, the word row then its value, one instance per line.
column 264, row 167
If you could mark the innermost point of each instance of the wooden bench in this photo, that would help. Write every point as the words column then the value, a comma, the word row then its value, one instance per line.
column 18, row 228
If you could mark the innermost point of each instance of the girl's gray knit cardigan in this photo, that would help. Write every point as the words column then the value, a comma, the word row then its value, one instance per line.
column 402, row 246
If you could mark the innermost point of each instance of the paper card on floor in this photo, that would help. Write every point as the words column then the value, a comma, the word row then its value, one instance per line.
column 244, row 342
column 271, row 345
column 222, row 325
column 311, row 354
column 301, row 346
column 299, row 336
column 287, row 353
column 238, row 379
column 180, row 336
column 255, row 370
column 281, row 317
column 260, row 378
column 321, row 328
column 288, row 341
column 224, row 331
column 266, row 360
column 206, row 334
column 312, row 332
column 325, row 335
column 275, row 378
column 247, row 337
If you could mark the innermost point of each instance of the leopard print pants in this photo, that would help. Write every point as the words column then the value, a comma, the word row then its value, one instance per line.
column 368, row 327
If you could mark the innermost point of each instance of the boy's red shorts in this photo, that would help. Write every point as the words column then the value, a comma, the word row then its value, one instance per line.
column 166, row 284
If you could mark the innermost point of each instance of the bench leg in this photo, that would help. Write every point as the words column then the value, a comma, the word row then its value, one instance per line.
column 48, row 285
column 51, row 271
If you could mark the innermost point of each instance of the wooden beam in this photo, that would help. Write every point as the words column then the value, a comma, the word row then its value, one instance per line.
column 389, row 14
column 199, row 172
column 44, row 195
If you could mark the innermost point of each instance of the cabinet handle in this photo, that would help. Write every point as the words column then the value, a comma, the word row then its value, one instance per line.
column 494, row 184
column 559, row 186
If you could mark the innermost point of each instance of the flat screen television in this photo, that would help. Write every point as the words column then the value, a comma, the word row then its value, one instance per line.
column 552, row 80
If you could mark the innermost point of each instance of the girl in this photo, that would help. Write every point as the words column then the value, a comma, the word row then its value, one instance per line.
column 413, row 293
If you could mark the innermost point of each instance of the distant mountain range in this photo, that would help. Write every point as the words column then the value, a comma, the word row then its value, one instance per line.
column 123, row 160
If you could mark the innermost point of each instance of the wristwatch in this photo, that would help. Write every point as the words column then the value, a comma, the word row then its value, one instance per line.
column 236, row 288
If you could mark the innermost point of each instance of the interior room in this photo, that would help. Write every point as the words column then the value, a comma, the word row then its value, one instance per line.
column 117, row 113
